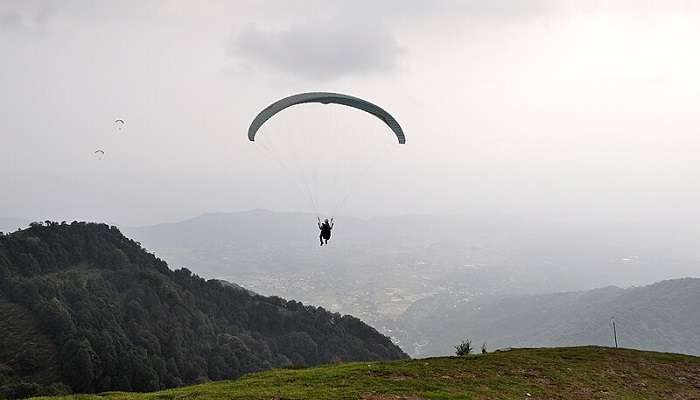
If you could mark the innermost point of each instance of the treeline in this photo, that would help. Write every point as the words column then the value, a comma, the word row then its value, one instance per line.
column 122, row 320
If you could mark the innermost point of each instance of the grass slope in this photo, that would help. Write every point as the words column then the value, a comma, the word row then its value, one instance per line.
column 554, row 373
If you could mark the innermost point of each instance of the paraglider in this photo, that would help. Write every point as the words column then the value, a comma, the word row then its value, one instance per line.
column 325, row 98
column 120, row 123
column 326, row 228
column 310, row 178
column 99, row 154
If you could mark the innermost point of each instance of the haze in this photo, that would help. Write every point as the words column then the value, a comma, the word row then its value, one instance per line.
column 560, row 110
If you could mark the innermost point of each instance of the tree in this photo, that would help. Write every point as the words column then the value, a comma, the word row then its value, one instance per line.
column 28, row 358
column 78, row 364
column 464, row 349
column 56, row 318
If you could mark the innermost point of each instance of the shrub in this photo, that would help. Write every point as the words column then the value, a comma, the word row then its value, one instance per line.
column 335, row 360
column 464, row 349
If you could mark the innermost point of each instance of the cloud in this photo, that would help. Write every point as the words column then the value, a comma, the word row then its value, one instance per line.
column 503, row 8
column 358, row 38
column 474, row 8
column 10, row 20
column 420, row 9
column 325, row 50
column 25, row 17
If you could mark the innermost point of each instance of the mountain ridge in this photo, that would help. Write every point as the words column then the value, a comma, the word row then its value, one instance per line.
column 660, row 317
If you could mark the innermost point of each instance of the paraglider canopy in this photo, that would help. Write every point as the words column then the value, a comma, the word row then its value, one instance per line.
column 325, row 98
column 99, row 151
column 327, row 168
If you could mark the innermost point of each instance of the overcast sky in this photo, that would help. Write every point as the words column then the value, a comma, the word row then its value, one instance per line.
column 545, row 109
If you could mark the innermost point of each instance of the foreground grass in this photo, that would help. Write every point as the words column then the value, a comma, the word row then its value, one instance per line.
column 559, row 373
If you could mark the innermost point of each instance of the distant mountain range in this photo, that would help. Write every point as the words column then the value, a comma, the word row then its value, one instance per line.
column 84, row 308
column 664, row 316
column 377, row 268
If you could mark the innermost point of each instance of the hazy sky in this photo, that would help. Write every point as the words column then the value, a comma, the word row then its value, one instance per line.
column 558, row 109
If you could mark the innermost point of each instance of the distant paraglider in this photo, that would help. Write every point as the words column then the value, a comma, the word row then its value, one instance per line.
column 119, row 123
column 99, row 154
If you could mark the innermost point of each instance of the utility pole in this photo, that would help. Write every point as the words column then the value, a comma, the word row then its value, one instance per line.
column 612, row 320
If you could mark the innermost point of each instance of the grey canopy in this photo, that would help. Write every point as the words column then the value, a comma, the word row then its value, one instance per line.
column 325, row 98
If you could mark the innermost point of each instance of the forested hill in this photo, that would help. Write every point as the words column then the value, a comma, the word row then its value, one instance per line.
column 85, row 308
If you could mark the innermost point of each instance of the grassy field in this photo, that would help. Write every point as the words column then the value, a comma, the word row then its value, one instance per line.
column 559, row 373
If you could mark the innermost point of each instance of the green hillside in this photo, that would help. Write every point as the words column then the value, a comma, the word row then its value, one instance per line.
column 558, row 373
column 33, row 353
column 85, row 309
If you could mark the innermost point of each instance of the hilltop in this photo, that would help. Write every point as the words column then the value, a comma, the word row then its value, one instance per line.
column 86, row 309
column 12, row 224
column 563, row 373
